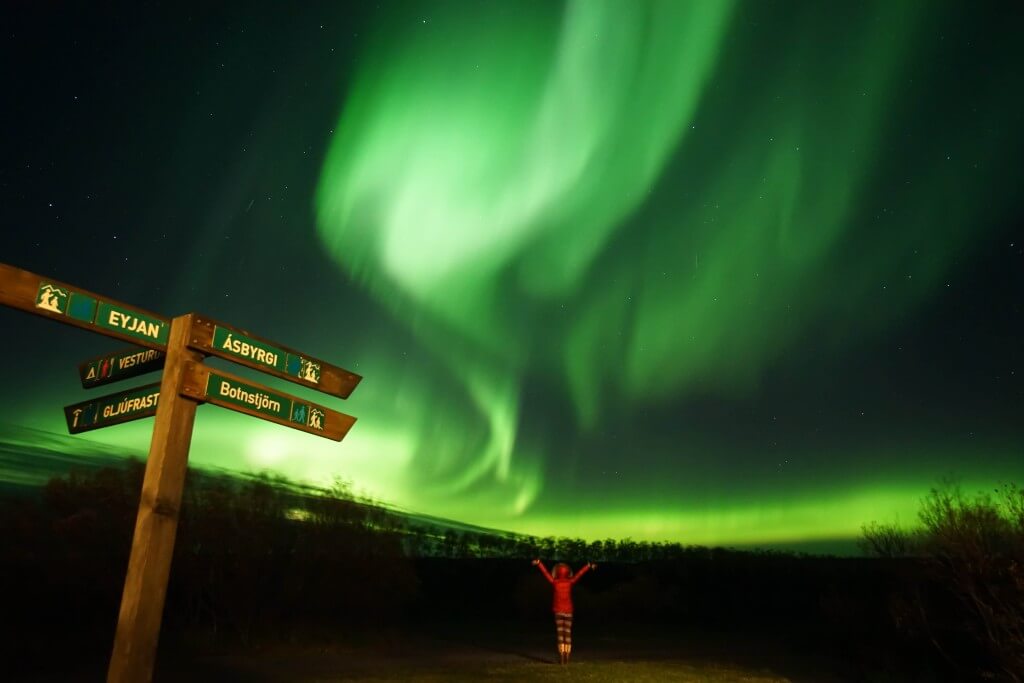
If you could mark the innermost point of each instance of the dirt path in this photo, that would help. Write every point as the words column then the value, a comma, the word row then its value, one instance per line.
column 475, row 657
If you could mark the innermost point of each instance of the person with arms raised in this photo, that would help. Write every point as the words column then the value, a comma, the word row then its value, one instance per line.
column 562, row 582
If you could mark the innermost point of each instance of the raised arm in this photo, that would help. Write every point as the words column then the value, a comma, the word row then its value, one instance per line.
column 544, row 571
column 587, row 567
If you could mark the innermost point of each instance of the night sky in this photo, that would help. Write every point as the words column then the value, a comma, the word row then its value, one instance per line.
column 716, row 273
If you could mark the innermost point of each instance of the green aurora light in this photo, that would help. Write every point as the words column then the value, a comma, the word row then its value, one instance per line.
column 706, row 272
column 616, row 199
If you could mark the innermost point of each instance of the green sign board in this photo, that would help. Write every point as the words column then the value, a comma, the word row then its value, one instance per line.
column 113, row 317
column 102, row 314
column 232, row 343
column 262, row 401
column 124, row 406
column 120, row 365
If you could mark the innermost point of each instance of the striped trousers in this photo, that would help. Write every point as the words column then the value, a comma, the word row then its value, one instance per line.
column 563, row 628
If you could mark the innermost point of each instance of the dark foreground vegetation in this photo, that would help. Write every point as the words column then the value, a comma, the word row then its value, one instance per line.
column 261, row 561
column 961, row 588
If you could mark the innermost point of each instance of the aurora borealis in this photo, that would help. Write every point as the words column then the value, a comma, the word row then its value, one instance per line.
column 708, row 272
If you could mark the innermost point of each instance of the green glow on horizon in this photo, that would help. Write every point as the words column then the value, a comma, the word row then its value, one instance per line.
column 387, row 465
column 814, row 517
column 378, row 465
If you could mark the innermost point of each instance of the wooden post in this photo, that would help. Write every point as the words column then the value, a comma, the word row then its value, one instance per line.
column 145, row 585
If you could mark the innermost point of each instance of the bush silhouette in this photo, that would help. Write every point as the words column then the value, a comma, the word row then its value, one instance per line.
column 970, row 550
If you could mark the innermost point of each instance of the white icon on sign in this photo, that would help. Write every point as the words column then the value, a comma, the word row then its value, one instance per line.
column 316, row 418
column 76, row 412
column 51, row 298
column 309, row 371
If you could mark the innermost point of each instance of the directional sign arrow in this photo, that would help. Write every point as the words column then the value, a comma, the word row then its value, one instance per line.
column 113, row 367
column 203, row 383
column 105, row 411
column 59, row 301
column 235, row 344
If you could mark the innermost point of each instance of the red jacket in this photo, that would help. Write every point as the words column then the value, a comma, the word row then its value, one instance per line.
column 562, row 602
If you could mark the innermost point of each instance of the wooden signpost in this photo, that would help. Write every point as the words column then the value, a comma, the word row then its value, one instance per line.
column 149, row 563
column 179, row 347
